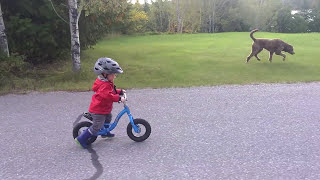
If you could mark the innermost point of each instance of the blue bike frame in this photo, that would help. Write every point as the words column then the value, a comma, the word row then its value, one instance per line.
column 110, row 126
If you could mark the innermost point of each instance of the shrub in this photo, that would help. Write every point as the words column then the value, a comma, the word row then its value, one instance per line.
column 11, row 68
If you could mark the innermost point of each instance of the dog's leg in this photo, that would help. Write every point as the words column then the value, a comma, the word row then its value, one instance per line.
column 254, row 51
column 270, row 56
column 249, row 57
column 256, row 55
column 280, row 54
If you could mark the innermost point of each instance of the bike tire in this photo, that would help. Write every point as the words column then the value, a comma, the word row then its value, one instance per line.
column 139, row 122
column 76, row 131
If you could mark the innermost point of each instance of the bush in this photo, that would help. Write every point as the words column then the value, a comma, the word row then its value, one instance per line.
column 11, row 68
column 35, row 31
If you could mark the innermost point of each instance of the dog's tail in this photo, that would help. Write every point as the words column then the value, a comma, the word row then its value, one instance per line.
column 251, row 34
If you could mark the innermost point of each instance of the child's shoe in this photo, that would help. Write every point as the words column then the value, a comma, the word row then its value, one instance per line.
column 83, row 138
column 107, row 135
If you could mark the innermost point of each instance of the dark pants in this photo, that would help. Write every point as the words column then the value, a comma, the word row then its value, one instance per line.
column 98, row 121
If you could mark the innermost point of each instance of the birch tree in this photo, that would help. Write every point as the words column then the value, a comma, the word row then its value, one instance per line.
column 210, row 17
column 92, row 6
column 74, row 16
column 3, row 37
column 179, row 20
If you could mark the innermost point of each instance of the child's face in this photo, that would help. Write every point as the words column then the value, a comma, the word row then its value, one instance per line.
column 111, row 77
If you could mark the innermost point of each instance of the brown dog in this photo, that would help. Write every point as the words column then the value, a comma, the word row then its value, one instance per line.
column 272, row 45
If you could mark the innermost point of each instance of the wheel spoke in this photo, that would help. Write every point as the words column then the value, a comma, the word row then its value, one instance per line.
column 142, row 130
column 143, row 127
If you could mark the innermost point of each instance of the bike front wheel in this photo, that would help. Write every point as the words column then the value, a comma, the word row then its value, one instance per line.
column 144, row 128
column 80, row 127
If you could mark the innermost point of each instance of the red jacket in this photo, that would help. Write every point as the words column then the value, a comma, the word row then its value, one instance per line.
column 105, row 95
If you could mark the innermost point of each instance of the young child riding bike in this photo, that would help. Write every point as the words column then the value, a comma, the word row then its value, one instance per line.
column 103, row 98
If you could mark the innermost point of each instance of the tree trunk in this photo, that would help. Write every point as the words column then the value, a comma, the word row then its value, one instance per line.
column 169, row 27
column 200, row 20
column 213, row 17
column 181, row 28
column 178, row 16
column 213, row 20
column 74, row 31
column 160, row 14
column 3, row 37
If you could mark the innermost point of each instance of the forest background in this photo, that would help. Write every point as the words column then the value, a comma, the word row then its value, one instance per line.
column 38, row 31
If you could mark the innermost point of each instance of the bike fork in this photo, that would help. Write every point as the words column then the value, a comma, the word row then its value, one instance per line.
column 135, row 127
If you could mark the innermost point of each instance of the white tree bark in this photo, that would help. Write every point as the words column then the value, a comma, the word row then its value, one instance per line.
column 200, row 20
column 212, row 28
column 3, row 37
column 178, row 16
column 74, row 31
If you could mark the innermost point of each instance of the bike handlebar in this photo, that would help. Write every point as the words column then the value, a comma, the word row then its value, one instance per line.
column 125, row 96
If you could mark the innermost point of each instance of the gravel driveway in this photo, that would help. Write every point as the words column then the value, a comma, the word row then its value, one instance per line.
column 265, row 131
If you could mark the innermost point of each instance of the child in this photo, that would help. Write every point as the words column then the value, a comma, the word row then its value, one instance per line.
column 102, row 101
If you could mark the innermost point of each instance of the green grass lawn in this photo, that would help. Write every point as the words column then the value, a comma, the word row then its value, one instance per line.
column 183, row 60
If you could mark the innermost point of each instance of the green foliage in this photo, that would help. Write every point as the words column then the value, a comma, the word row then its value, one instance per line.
column 297, row 25
column 10, row 68
column 101, row 17
column 101, row 6
column 231, row 20
column 36, row 41
column 93, row 27
column 283, row 21
column 136, row 20
column 312, row 16
column 159, row 16
column 288, row 23
column 34, row 31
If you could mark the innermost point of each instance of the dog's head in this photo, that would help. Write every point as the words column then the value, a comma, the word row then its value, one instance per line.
column 289, row 49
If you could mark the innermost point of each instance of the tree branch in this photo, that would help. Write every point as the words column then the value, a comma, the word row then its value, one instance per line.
column 57, row 12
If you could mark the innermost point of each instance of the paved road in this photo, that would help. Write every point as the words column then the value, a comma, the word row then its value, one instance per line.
column 225, row 132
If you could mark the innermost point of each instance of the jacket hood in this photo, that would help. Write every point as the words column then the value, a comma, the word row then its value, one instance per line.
column 97, row 84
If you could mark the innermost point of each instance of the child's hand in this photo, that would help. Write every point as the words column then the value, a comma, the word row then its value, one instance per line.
column 123, row 99
column 122, row 91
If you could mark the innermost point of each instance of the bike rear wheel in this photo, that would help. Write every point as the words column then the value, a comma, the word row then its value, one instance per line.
column 144, row 127
column 80, row 127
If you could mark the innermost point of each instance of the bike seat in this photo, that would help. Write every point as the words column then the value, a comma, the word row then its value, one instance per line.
column 87, row 115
